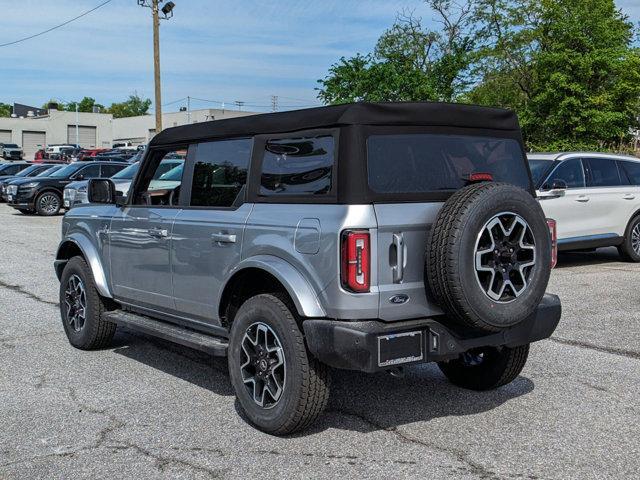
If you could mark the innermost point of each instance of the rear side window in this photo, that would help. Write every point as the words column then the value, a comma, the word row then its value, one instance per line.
column 633, row 171
column 10, row 170
column 297, row 166
column 417, row 163
column 92, row 171
column 110, row 170
column 220, row 173
column 603, row 172
column 570, row 172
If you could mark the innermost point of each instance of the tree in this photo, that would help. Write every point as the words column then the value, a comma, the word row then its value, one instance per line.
column 5, row 110
column 409, row 61
column 567, row 67
column 132, row 107
column 85, row 105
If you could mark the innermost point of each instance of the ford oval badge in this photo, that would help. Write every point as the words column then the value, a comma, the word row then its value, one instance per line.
column 399, row 299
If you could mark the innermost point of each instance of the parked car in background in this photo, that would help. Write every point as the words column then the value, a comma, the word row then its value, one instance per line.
column 8, row 169
column 44, row 195
column 55, row 149
column 4, row 184
column 31, row 170
column 11, row 151
column 88, row 153
column 76, row 192
column 594, row 198
column 39, row 155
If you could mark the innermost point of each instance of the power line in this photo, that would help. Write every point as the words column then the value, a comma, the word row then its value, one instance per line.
column 57, row 26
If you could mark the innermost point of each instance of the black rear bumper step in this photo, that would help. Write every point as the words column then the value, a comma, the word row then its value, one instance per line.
column 167, row 331
column 374, row 345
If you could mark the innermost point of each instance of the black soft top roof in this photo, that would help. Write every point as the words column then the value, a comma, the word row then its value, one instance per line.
column 396, row 113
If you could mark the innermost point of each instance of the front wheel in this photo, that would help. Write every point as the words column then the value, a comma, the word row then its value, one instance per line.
column 279, row 386
column 48, row 204
column 486, row 368
column 630, row 248
column 81, row 308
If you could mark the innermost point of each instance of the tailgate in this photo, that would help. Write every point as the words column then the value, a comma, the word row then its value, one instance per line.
column 402, row 240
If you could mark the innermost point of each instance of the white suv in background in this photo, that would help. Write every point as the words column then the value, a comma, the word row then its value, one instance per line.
column 594, row 198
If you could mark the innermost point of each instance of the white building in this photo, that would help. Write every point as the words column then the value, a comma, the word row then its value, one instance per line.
column 95, row 130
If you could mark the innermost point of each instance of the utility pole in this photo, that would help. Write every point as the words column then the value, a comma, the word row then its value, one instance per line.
column 188, row 110
column 274, row 103
column 77, row 128
column 167, row 12
column 156, row 64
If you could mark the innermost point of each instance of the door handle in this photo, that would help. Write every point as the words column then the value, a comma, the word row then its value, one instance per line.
column 629, row 196
column 223, row 238
column 582, row 198
column 398, row 269
column 158, row 232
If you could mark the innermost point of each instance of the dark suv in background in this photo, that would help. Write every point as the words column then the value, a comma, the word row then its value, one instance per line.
column 31, row 170
column 44, row 195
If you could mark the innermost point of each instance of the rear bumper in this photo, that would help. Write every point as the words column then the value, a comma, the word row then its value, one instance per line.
column 374, row 345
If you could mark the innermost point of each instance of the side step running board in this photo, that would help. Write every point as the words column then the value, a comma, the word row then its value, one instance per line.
column 167, row 331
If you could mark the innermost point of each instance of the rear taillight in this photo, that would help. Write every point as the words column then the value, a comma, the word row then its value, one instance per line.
column 554, row 241
column 355, row 260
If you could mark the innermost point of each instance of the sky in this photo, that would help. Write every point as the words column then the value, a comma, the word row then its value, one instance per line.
column 216, row 50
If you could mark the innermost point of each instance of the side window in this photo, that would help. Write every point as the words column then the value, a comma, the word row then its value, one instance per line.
column 12, row 170
column 164, row 188
column 220, row 173
column 569, row 172
column 633, row 171
column 111, row 170
column 297, row 166
column 603, row 172
column 91, row 171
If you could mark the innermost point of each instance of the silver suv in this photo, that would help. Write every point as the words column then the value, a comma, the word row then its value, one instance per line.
column 367, row 237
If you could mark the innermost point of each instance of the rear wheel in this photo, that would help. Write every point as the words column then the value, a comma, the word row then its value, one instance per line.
column 630, row 248
column 279, row 386
column 486, row 368
column 48, row 204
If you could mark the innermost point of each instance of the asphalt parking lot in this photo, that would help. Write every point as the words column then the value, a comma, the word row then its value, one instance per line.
column 147, row 409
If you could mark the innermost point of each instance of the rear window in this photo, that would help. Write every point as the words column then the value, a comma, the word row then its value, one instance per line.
column 420, row 163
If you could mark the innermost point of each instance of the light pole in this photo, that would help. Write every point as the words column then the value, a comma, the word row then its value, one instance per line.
column 167, row 11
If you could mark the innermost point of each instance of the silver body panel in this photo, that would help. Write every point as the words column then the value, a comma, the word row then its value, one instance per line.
column 177, row 261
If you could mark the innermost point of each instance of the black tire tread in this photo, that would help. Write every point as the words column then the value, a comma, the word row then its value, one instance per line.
column 101, row 331
column 470, row 378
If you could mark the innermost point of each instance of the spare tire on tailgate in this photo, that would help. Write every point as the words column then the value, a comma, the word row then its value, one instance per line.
column 489, row 256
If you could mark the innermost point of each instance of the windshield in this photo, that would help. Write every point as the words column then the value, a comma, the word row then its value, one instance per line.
column 49, row 171
column 11, row 145
column 538, row 169
column 28, row 170
column 128, row 173
column 421, row 163
column 67, row 170
column 173, row 175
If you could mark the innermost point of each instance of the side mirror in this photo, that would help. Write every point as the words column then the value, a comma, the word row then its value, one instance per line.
column 559, row 185
column 78, row 177
column 557, row 189
column 101, row 190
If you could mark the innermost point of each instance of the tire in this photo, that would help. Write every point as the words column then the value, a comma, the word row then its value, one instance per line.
column 304, row 381
column 626, row 249
column 93, row 332
column 486, row 368
column 48, row 204
column 501, row 287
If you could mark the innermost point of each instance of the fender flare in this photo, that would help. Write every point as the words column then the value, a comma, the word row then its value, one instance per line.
column 92, row 258
column 297, row 286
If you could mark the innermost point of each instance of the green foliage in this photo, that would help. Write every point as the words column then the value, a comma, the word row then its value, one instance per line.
column 5, row 110
column 85, row 105
column 568, row 67
column 409, row 62
column 132, row 107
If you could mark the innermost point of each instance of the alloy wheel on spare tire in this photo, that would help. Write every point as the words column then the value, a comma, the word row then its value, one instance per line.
column 489, row 256
column 48, row 203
